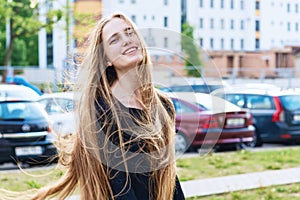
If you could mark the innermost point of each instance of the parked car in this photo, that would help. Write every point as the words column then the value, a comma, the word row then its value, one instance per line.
column 202, row 88
column 200, row 125
column 17, row 92
column 59, row 107
column 25, row 133
column 276, row 112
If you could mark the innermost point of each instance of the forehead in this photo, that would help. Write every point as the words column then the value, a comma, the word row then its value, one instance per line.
column 115, row 25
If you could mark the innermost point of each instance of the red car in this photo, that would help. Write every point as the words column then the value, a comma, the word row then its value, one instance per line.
column 209, row 122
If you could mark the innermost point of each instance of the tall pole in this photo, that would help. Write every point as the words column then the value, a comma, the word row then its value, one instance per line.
column 9, row 69
column 8, row 41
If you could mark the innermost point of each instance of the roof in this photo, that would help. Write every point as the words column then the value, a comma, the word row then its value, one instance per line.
column 260, row 91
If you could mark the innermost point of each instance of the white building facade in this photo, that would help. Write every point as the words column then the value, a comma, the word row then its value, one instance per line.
column 235, row 25
column 53, row 45
column 244, row 25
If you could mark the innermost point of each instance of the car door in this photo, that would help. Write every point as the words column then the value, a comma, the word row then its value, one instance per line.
column 262, row 108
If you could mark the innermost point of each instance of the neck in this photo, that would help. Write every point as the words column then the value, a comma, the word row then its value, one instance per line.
column 125, row 88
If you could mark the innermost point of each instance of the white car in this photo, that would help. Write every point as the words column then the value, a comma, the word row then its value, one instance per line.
column 60, row 108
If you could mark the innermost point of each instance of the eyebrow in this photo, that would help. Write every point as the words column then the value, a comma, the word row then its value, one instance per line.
column 115, row 34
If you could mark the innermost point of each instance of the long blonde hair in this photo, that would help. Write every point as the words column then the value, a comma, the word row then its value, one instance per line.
column 86, row 163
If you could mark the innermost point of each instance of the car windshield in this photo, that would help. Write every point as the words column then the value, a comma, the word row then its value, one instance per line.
column 21, row 110
column 218, row 105
column 291, row 102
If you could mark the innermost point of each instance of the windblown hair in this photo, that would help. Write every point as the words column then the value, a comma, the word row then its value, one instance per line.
column 86, row 163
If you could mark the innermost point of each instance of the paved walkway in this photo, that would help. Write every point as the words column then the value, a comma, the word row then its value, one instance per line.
column 219, row 185
column 232, row 183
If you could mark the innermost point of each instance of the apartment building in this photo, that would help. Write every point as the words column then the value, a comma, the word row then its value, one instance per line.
column 60, row 44
column 244, row 25
column 52, row 44
column 231, row 33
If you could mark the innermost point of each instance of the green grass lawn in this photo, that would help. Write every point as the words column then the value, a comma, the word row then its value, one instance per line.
column 237, row 162
column 282, row 192
column 198, row 167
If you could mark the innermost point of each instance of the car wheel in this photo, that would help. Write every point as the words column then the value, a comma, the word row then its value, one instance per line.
column 259, row 141
column 253, row 143
column 181, row 143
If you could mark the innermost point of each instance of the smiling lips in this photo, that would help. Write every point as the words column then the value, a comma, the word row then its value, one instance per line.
column 130, row 50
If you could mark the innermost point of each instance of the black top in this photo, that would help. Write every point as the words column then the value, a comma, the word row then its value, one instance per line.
column 136, row 187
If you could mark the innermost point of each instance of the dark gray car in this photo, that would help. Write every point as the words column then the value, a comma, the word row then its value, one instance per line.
column 276, row 112
column 25, row 133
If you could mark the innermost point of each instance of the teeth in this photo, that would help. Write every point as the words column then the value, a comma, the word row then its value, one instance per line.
column 130, row 50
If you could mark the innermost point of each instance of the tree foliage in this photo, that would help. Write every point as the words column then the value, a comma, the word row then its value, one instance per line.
column 24, row 27
column 191, row 51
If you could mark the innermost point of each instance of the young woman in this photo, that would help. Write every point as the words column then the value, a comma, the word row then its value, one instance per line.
column 124, row 145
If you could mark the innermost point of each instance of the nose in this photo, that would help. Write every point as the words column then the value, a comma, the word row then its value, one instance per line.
column 126, row 39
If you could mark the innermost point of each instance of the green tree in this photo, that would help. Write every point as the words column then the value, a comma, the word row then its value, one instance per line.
column 24, row 27
column 192, row 60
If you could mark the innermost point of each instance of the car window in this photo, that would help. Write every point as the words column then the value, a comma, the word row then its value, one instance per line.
column 182, row 88
column 57, row 105
column 259, row 102
column 180, row 107
column 237, row 99
column 21, row 110
column 290, row 102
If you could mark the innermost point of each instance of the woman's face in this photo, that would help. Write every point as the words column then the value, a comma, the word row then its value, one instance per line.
column 121, row 45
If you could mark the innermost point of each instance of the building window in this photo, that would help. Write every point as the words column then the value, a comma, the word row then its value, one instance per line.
column 211, row 23
column 257, row 28
column 256, row 43
column 211, row 42
column 296, row 8
column 211, row 3
column 153, row 17
column 166, row 42
column 289, row 26
column 231, row 4
column 133, row 18
column 242, row 44
column 222, row 23
column 145, row 17
column 49, row 38
column 296, row 27
column 242, row 25
column 165, row 21
column 121, row 1
column 166, row 2
column 288, row 8
column 201, row 4
column 222, row 4
column 222, row 43
column 242, row 4
column 257, row 5
column 201, row 23
column 231, row 24
column 232, row 44
column 201, row 42
column 133, row 1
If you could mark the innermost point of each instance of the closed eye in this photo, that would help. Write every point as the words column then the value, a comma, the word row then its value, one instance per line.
column 114, row 40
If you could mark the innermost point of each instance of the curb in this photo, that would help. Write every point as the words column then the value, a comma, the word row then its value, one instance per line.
column 219, row 185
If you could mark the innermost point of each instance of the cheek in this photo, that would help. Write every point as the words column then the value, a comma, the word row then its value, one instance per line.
column 111, row 52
